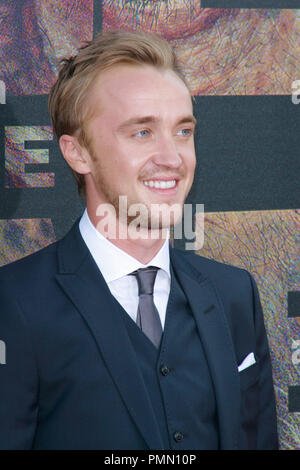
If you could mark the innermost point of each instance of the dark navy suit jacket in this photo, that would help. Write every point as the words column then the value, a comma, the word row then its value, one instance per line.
column 70, row 378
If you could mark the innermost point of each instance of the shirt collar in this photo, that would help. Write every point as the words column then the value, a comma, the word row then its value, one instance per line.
column 113, row 262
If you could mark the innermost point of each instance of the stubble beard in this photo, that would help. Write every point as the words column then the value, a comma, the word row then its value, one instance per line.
column 152, row 217
column 156, row 220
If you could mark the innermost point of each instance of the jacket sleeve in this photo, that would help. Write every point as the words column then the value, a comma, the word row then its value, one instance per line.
column 18, row 376
column 267, row 422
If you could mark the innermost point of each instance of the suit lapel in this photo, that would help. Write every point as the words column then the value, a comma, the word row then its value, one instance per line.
column 83, row 283
column 216, row 339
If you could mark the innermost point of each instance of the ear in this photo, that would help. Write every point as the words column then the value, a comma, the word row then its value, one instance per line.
column 75, row 155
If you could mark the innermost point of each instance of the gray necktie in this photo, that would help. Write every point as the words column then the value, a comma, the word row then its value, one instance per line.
column 147, row 315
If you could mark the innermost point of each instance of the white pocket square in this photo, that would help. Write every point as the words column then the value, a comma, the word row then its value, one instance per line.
column 247, row 362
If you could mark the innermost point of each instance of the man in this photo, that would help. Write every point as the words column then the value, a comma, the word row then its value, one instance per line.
column 94, row 358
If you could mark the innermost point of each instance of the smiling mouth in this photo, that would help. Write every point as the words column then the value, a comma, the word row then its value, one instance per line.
column 161, row 184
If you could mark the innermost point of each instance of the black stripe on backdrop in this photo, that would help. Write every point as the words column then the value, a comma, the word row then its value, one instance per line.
column 247, row 158
column 286, row 4
column 97, row 17
column 247, row 153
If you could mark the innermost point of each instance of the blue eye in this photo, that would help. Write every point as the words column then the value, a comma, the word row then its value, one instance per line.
column 143, row 133
column 185, row 132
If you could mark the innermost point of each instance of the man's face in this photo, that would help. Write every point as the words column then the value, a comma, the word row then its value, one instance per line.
column 142, row 141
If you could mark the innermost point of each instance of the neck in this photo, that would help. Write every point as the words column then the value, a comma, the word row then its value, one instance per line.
column 142, row 245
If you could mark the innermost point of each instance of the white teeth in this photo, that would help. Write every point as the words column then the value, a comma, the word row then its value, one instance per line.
column 160, row 184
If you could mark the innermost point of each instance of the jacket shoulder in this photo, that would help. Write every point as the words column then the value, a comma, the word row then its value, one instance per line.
column 38, row 264
column 211, row 268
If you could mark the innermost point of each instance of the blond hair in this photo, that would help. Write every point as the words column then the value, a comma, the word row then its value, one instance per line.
column 78, row 73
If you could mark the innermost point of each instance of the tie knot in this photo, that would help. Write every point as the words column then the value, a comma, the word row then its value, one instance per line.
column 146, row 278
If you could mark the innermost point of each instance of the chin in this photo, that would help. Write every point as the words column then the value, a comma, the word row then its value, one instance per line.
column 165, row 220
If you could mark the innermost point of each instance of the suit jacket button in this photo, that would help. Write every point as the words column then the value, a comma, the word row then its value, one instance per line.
column 178, row 436
column 164, row 369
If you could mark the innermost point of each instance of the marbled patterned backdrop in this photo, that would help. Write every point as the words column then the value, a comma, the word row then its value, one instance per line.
column 224, row 52
column 266, row 243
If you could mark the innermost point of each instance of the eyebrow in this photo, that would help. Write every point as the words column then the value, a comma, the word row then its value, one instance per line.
column 153, row 119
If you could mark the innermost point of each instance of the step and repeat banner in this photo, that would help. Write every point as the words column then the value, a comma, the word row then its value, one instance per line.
column 242, row 59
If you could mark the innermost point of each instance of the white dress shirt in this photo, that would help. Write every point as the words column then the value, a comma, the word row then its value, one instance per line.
column 116, row 266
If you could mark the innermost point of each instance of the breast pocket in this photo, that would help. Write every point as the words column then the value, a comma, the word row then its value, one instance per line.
column 249, row 376
column 249, row 385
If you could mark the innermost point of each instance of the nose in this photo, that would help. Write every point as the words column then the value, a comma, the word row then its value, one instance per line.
column 167, row 153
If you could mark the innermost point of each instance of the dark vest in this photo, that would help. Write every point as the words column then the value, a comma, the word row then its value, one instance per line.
column 177, row 377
